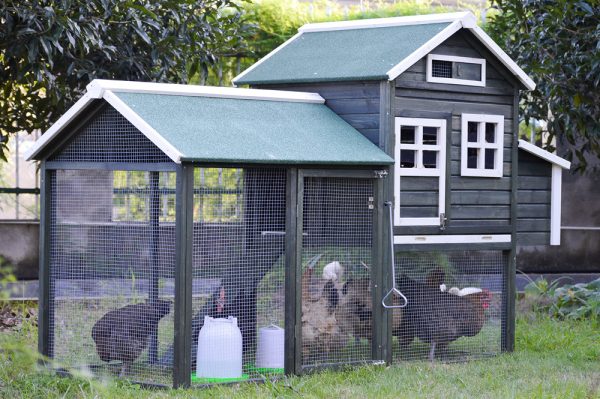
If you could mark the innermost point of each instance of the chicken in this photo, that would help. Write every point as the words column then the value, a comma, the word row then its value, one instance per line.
column 333, row 271
column 436, row 317
column 122, row 334
column 321, row 331
column 355, row 312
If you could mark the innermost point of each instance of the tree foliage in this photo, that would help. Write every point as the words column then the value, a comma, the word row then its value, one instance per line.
column 50, row 50
column 557, row 42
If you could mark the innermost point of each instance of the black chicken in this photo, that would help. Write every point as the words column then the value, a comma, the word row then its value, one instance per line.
column 435, row 317
column 122, row 334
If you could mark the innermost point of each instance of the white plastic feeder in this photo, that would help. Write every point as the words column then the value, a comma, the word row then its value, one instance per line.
column 219, row 349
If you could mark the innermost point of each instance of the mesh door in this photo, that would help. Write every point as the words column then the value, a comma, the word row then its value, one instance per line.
column 336, row 260
column 238, row 268
column 455, row 305
column 112, row 256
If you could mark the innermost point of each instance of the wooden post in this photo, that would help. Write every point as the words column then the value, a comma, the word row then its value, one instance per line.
column 291, row 274
column 183, row 276
column 46, row 333
column 154, row 264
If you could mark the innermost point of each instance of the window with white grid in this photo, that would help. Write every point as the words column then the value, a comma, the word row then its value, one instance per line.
column 420, row 152
column 482, row 143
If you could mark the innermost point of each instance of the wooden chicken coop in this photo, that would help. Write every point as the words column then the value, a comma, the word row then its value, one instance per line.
column 361, row 204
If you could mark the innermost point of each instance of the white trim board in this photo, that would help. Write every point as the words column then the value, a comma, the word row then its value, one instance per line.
column 58, row 126
column 266, row 57
column 453, row 239
column 143, row 126
column 555, row 205
column 541, row 153
column 98, row 86
column 385, row 22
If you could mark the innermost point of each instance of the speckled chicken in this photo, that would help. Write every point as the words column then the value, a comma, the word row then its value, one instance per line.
column 122, row 334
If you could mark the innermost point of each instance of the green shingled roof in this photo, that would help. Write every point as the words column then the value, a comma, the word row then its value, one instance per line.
column 225, row 130
column 349, row 54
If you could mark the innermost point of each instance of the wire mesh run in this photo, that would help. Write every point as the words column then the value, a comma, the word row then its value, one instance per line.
column 109, row 137
column 455, row 305
column 336, row 260
column 238, row 268
column 112, row 259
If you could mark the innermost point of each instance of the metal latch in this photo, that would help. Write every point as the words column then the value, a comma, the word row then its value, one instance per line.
column 443, row 220
column 381, row 173
column 371, row 200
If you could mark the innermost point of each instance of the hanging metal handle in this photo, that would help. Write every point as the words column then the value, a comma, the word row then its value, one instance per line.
column 394, row 291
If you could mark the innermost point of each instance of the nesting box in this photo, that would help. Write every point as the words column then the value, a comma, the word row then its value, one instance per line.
column 163, row 204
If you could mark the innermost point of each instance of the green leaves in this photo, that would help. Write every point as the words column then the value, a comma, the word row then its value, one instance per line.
column 557, row 42
column 49, row 50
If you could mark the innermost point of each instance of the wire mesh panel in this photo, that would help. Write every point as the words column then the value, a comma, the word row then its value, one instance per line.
column 109, row 137
column 455, row 305
column 336, row 260
column 112, row 259
column 238, row 268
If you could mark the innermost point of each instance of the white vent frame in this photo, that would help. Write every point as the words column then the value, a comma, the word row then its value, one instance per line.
column 455, row 81
column 498, row 145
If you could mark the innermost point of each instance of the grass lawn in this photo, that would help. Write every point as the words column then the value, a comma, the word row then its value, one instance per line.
column 553, row 359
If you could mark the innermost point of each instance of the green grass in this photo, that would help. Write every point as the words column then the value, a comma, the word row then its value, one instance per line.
column 553, row 359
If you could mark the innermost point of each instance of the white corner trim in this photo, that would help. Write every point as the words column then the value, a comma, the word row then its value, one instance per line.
column 455, row 81
column 143, row 126
column 555, row 205
column 58, row 126
column 502, row 56
column 548, row 156
column 97, row 88
column 386, row 22
column 266, row 57
column 453, row 239
column 424, row 50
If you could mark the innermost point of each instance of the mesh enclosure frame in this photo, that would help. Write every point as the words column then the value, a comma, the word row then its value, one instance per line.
column 491, row 273
column 373, row 203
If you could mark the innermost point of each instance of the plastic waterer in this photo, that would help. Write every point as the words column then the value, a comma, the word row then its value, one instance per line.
column 219, row 349
column 270, row 352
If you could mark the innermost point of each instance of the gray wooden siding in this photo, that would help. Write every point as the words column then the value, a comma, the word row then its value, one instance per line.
column 356, row 102
column 533, row 196
column 473, row 201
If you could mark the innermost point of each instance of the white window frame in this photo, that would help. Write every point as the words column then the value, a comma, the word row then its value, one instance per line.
column 419, row 170
column 482, row 145
column 455, row 81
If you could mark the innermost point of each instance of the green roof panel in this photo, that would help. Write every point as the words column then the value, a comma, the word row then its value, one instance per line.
column 231, row 130
column 351, row 54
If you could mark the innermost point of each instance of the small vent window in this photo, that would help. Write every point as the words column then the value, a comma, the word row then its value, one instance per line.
column 455, row 70
column 441, row 69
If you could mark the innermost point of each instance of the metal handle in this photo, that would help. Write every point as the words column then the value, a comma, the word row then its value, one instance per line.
column 394, row 290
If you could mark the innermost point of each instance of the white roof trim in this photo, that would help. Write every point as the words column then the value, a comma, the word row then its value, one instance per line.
column 548, row 156
column 423, row 50
column 143, row 126
column 57, row 127
column 266, row 57
column 97, row 87
column 502, row 56
column 384, row 22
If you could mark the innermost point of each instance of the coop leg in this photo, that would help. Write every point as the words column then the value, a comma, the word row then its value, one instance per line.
column 432, row 352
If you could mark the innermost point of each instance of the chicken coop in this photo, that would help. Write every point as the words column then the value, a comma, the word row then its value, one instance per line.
column 353, row 207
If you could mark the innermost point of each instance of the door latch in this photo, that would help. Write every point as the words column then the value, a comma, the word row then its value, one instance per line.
column 443, row 221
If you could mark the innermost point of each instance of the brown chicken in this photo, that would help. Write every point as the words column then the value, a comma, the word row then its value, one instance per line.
column 438, row 318
column 122, row 334
column 355, row 312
